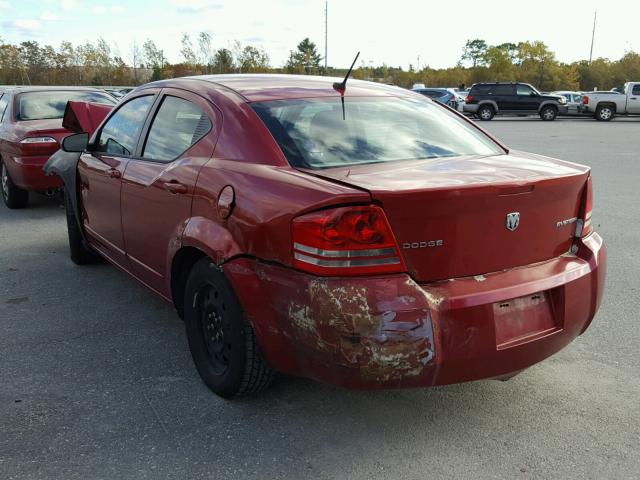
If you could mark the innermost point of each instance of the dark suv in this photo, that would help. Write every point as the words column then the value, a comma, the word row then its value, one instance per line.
column 488, row 99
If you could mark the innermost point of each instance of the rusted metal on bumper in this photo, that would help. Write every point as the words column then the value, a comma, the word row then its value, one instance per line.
column 362, row 333
column 390, row 332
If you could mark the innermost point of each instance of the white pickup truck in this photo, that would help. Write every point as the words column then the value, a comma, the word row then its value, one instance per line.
column 605, row 105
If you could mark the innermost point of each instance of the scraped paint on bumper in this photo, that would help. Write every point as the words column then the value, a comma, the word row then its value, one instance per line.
column 391, row 332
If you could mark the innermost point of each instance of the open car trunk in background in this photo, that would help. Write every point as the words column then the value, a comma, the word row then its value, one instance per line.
column 84, row 116
column 449, row 215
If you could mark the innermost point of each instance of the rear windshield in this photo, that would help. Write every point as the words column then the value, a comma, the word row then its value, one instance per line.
column 46, row 104
column 313, row 134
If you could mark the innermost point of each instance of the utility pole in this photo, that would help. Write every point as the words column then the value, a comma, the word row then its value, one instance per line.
column 418, row 63
column 326, row 19
column 593, row 35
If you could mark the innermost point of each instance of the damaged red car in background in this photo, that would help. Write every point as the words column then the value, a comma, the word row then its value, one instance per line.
column 30, row 131
column 365, row 237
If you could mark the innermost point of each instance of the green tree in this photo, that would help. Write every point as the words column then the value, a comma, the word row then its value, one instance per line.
column 474, row 51
column 252, row 59
column 223, row 61
column 305, row 59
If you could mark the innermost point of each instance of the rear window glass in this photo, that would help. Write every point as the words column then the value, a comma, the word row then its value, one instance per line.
column 46, row 104
column 313, row 134
column 480, row 90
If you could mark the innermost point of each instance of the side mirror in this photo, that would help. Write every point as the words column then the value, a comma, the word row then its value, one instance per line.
column 533, row 94
column 75, row 143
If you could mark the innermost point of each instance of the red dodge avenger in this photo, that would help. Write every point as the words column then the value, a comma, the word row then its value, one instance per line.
column 354, row 233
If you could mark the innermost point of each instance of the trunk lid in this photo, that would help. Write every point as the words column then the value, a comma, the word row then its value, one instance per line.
column 449, row 216
column 84, row 116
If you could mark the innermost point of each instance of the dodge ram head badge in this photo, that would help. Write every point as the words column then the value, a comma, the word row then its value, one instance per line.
column 513, row 220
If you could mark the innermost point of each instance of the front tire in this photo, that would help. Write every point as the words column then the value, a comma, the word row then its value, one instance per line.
column 14, row 197
column 604, row 113
column 222, row 342
column 485, row 113
column 548, row 113
column 80, row 255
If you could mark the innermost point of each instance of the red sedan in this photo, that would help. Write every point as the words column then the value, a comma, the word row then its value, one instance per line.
column 365, row 237
column 30, row 131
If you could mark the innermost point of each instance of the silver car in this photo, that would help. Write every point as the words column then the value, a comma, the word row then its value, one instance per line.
column 574, row 102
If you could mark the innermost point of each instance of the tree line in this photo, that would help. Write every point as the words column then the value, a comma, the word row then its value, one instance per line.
column 99, row 63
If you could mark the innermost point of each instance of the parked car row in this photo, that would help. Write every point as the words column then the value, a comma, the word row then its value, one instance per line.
column 486, row 100
column 357, row 234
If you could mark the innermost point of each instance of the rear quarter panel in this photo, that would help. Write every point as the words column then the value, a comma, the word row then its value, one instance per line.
column 268, row 193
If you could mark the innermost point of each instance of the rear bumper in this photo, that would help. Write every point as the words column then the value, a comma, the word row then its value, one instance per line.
column 26, row 173
column 390, row 332
column 470, row 107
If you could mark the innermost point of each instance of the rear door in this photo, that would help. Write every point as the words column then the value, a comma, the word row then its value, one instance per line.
column 100, row 171
column 504, row 96
column 158, row 185
column 633, row 99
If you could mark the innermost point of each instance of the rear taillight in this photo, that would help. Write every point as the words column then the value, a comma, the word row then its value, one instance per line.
column 345, row 241
column 583, row 227
column 38, row 145
column 469, row 99
column 585, row 99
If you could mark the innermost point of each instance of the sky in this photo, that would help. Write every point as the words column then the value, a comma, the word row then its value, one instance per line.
column 397, row 33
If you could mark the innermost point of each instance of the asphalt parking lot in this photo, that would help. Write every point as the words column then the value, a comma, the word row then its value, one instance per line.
column 96, row 380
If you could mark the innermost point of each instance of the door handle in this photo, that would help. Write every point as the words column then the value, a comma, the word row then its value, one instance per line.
column 114, row 173
column 175, row 187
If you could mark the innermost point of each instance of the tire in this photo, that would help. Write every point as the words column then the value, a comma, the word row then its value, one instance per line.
column 485, row 113
column 548, row 113
column 80, row 255
column 14, row 197
column 604, row 113
column 222, row 342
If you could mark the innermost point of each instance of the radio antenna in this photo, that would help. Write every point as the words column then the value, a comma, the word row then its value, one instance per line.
column 341, row 87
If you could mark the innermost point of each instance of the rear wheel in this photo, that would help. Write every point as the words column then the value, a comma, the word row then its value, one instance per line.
column 548, row 113
column 485, row 112
column 222, row 342
column 80, row 255
column 14, row 197
column 604, row 113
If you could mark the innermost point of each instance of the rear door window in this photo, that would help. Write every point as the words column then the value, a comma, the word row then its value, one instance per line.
column 178, row 125
column 120, row 134
column 636, row 90
column 502, row 90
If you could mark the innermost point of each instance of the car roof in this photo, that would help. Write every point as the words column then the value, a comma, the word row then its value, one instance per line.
column 262, row 87
column 43, row 88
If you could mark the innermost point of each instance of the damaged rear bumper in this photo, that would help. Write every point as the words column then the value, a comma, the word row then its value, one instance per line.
column 391, row 332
